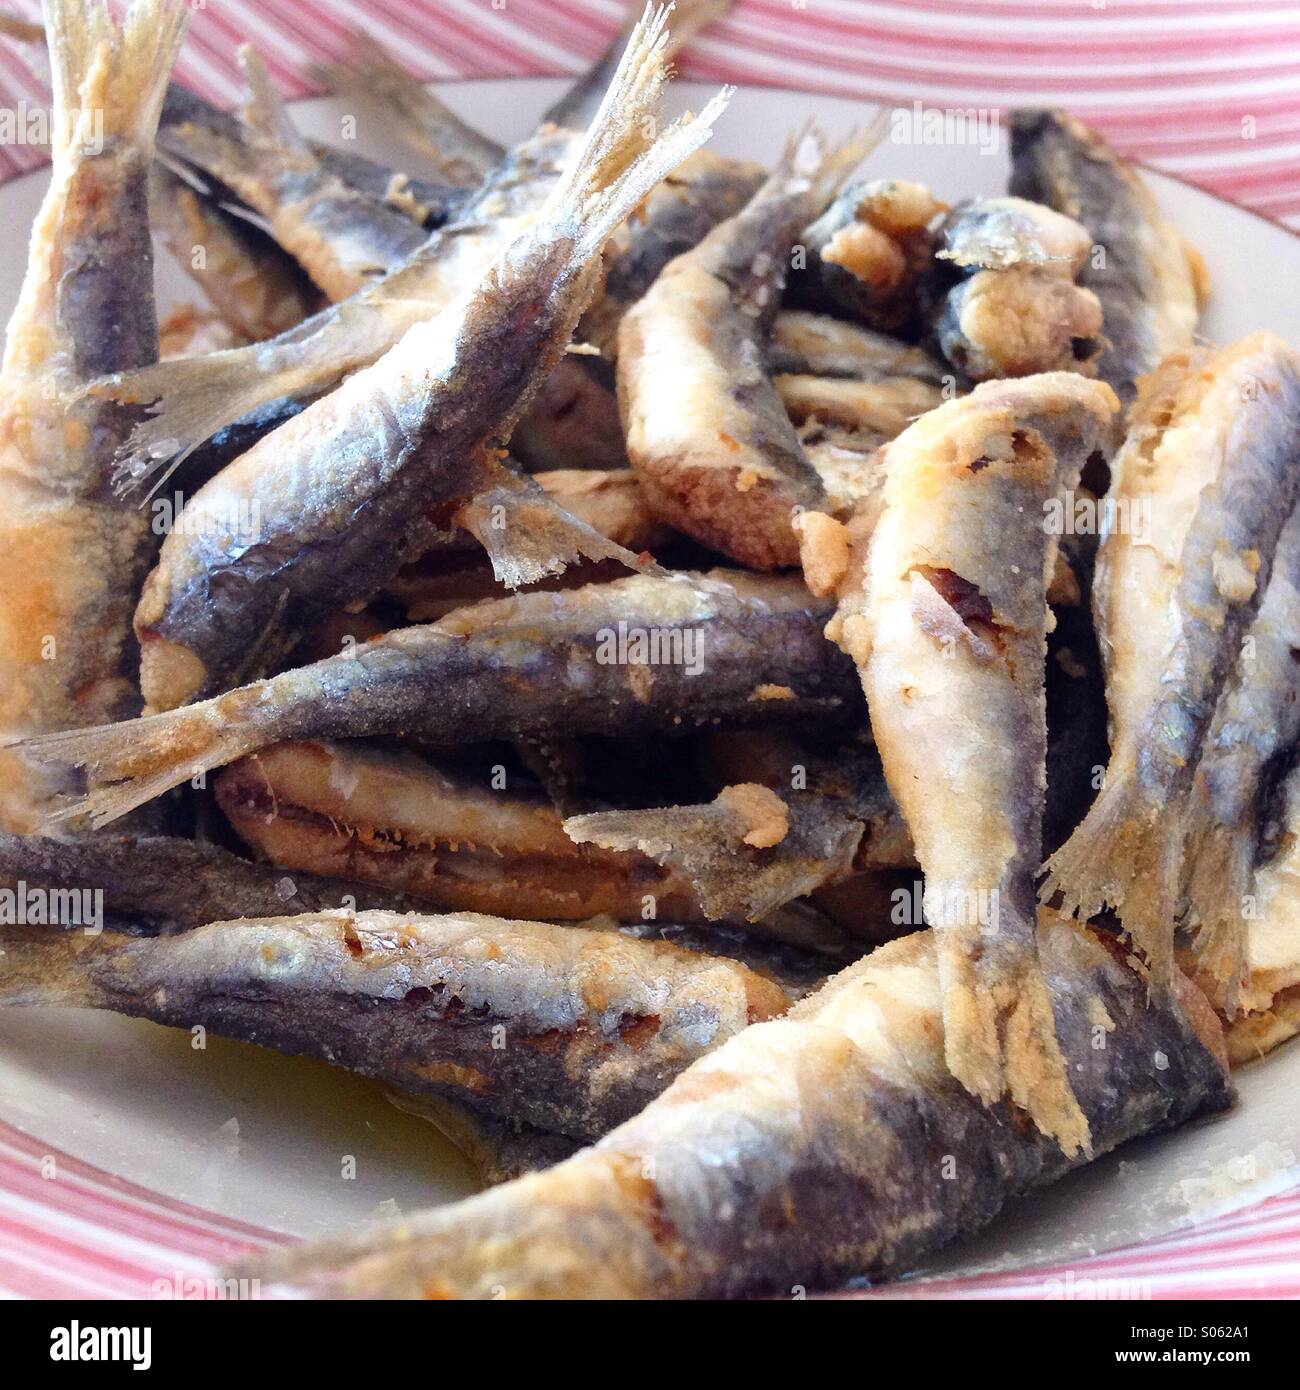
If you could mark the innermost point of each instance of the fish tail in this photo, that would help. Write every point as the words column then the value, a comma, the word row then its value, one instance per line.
column 1000, row 1035
column 1218, row 887
column 624, row 154
column 1122, row 857
column 194, row 398
column 137, row 760
column 107, row 81
column 1095, row 866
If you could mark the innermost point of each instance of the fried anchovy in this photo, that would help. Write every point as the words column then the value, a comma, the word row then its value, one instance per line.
column 706, row 430
column 1257, row 718
column 807, row 344
column 1016, row 310
column 159, row 883
column 574, row 420
column 367, row 462
column 340, row 237
column 569, row 1030
column 826, row 1145
column 1199, row 495
column 251, row 284
column 370, row 77
column 425, row 202
column 867, row 253
column 946, row 616
column 636, row 655
column 675, row 218
column 449, row 839
column 70, row 557
column 1151, row 284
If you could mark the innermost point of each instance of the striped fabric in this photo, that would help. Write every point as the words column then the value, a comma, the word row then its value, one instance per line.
column 1206, row 91
column 1200, row 89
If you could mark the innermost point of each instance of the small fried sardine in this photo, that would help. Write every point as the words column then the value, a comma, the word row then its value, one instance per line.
column 1017, row 309
column 253, row 286
column 340, row 237
column 569, row 1030
column 868, row 252
column 1200, row 491
column 706, row 430
column 452, row 841
column 826, row 1145
column 640, row 654
column 70, row 555
column 1257, row 718
column 1150, row 282
column 946, row 616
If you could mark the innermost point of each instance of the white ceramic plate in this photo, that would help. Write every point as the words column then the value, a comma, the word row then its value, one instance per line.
column 266, row 1139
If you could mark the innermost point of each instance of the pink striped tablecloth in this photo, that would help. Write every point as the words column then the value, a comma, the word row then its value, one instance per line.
column 1204, row 90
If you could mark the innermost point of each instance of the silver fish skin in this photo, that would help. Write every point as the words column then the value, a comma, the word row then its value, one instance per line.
column 1200, row 492
column 1257, row 719
column 160, row 883
column 542, row 664
column 706, row 431
column 340, row 237
column 594, row 1023
column 945, row 611
column 70, row 555
column 346, row 488
column 1151, row 284
column 803, row 1152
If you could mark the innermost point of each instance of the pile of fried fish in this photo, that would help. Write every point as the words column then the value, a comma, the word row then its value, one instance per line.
column 444, row 644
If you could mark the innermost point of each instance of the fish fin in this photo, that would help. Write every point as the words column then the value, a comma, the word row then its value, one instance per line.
column 707, row 843
column 1120, row 857
column 108, row 82
column 528, row 535
column 623, row 156
column 999, row 1032
column 263, row 112
column 139, row 759
column 1219, row 882
column 193, row 398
